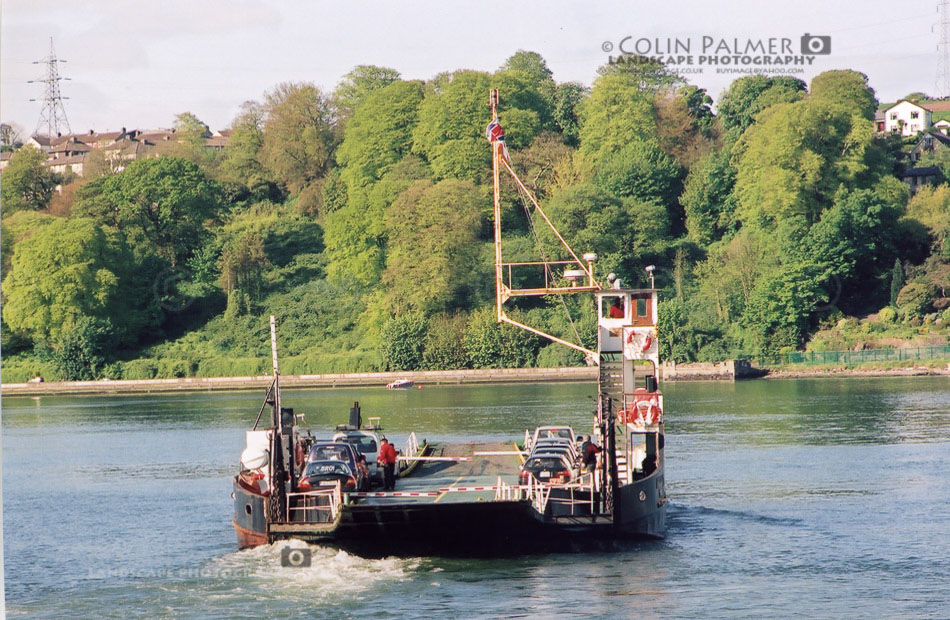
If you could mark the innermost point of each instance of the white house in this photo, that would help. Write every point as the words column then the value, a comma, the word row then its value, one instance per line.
column 906, row 118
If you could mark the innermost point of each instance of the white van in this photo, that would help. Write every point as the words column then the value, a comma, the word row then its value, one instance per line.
column 366, row 443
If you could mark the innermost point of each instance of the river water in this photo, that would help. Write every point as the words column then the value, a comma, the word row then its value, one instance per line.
column 816, row 498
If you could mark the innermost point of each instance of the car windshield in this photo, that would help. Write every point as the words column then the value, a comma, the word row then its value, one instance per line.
column 327, row 468
column 547, row 463
column 554, row 442
column 366, row 445
column 329, row 452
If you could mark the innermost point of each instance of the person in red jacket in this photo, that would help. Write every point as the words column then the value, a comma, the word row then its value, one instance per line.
column 387, row 458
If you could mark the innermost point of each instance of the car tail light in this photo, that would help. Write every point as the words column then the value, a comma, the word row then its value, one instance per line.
column 523, row 475
column 350, row 483
column 303, row 485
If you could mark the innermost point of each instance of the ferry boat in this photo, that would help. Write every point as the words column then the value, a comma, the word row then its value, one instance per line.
column 476, row 498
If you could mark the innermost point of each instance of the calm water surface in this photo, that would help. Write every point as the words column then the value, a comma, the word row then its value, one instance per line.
column 813, row 498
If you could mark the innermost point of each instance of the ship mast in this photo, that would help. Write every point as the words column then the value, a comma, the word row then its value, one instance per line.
column 578, row 274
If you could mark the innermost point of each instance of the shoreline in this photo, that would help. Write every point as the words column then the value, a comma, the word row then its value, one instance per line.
column 353, row 379
column 843, row 372
column 420, row 378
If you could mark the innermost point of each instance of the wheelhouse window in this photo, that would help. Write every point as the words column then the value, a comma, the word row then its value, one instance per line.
column 612, row 307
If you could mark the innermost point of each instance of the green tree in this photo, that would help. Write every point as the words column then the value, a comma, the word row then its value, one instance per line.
column 240, row 162
column 748, row 96
column 897, row 281
column 855, row 242
column 445, row 343
column 776, row 314
column 525, row 83
column 616, row 113
column 70, row 269
column 794, row 159
column 191, row 133
column 17, row 227
column 707, row 198
column 676, row 340
column 27, row 183
column 356, row 235
column 453, row 109
column 378, row 135
column 489, row 344
column 567, row 99
column 915, row 300
column 847, row 89
column 531, row 64
column 358, row 84
column 160, row 204
column 433, row 246
column 404, row 338
column 81, row 350
column 642, row 171
column 299, row 136
column 243, row 263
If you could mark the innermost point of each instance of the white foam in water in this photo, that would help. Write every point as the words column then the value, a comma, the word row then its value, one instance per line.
column 332, row 572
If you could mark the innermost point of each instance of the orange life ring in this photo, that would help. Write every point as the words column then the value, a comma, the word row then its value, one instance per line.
column 632, row 338
column 647, row 412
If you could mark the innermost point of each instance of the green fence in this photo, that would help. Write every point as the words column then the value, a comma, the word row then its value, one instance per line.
column 852, row 357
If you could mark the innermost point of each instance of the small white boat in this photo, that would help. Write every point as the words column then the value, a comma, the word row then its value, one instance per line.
column 400, row 384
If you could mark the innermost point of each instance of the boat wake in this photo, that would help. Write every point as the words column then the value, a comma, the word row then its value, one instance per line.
column 331, row 574
column 685, row 517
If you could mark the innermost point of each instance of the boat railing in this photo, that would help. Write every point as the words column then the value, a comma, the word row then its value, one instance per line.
column 412, row 449
column 321, row 506
column 584, row 483
column 527, row 442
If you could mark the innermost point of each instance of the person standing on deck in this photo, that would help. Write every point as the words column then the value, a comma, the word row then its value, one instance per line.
column 387, row 458
column 589, row 452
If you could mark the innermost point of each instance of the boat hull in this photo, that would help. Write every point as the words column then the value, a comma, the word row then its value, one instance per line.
column 483, row 528
column 250, row 517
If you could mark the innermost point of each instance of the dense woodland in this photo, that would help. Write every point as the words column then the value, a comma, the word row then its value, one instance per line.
column 361, row 218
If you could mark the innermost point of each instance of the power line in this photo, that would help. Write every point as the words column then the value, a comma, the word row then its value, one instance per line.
column 53, row 115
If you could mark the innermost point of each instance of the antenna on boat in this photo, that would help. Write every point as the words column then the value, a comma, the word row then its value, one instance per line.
column 578, row 273
column 273, row 351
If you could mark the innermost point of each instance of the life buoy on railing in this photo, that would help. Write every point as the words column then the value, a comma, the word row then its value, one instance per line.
column 642, row 413
column 640, row 341
column 648, row 411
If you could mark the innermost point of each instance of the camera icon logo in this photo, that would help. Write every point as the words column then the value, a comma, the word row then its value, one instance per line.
column 812, row 44
column 296, row 558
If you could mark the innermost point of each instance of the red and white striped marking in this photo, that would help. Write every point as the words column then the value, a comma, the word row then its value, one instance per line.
column 465, row 489
column 396, row 494
column 498, row 453
column 451, row 459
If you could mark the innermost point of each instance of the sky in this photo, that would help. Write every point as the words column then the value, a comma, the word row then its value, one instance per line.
column 138, row 64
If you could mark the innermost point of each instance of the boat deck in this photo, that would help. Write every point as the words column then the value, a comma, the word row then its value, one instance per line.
column 436, row 477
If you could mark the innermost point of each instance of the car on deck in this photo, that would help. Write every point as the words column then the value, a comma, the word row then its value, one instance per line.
column 320, row 474
column 366, row 443
column 547, row 468
column 337, row 451
column 554, row 432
